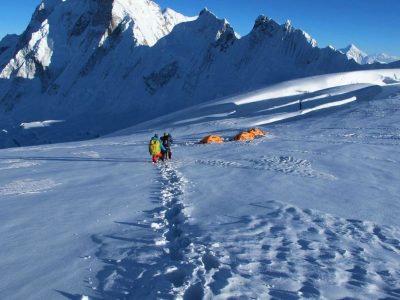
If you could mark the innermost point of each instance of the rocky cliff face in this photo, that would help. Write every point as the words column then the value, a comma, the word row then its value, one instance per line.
column 103, row 65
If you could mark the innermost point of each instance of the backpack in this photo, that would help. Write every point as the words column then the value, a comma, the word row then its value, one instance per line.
column 154, row 147
column 166, row 140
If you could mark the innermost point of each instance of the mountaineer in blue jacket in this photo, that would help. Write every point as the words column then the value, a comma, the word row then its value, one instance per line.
column 166, row 142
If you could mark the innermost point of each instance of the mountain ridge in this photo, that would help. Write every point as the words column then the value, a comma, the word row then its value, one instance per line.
column 105, row 66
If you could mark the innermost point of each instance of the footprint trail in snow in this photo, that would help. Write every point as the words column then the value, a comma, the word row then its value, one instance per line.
column 283, row 252
column 289, row 253
column 192, row 262
column 164, row 260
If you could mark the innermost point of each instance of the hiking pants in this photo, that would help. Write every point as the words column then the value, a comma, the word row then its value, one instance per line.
column 156, row 157
column 167, row 154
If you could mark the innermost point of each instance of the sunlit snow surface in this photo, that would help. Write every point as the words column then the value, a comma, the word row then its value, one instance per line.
column 310, row 211
column 39, row 124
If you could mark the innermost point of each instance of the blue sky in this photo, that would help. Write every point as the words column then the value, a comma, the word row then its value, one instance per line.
column 373, row 25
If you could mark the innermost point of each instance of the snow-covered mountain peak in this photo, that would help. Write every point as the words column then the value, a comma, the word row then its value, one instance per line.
column 49, row 4
column 205, row 10
column 83, row 26
column 173, row 18
column 149, row 22
column 348, row 47
column 264, row 26
column 288, row 25
column 382, row 58
column 353, row 52
column 309, row 39
column 205, row 33
column 206, row 14
column 353, row 47
column 209, row 25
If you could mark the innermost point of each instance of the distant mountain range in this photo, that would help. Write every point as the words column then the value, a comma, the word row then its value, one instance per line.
column 352, row 52
column 96, row 66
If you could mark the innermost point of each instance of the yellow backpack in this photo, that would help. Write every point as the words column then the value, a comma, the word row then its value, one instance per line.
column 154, row 147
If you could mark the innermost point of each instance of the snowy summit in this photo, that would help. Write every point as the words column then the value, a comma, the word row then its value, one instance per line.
column 352, row 52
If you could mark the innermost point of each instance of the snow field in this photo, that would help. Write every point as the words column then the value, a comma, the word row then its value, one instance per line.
column 27, row 186
column 51, row 208
column 310, row 211
column 292, row 99
column 289, row 253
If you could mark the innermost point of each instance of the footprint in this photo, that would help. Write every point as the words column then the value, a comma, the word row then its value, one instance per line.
column 304, row 244
column 327, row 254
column 331, row 236
column 312, row 230
column 358, row 276
column 395, row 293
column 277, row 229
column 275, row 274
column 387, row 241
column 176, row 276
column 220, row 280
column 173, row 212
column 291, row 210
column 266, row 247
column 210, row 261
column 378, row 232
column 289, row 165
column 282, row 294
column 309, row 290
column 194, row 292
column 283, row 253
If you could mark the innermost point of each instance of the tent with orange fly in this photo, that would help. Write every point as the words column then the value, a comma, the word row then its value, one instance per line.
column 257, row 132
column 244, row 136
column 212, row 139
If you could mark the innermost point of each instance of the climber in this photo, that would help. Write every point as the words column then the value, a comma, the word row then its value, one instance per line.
column 166, row 142
column 155, row 148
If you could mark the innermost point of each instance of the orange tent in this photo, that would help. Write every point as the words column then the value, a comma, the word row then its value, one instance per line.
column 212, row 139
column 244, row 136
column 257, row 132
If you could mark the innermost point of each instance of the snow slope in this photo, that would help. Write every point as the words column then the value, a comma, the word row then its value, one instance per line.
column 310, row 211
column 282, row 101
